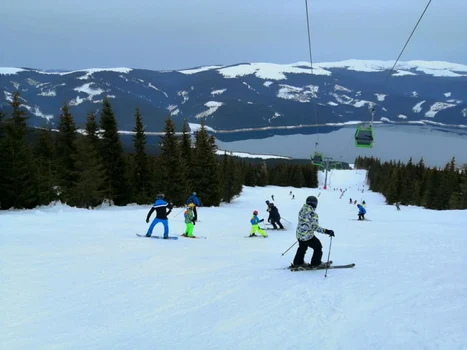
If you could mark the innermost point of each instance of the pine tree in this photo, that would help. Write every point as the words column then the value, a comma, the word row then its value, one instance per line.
column 431, row 190
column 206, row 180
column 157, row 175
column 230, row 179
column 3, row 159
column 66, row 151
column 186, row 149
column 117, row 184
column 447, row 186
column 263, row 175
column 407, row 183
column 250, row 175
column 174, row 179
column 44, row 157
column 393, row 191
column 310, row 174
column 416, row 198
column 296, row 177
column 18, row 187
column 88, row 188
column 92, row 130
column 2, row 125
column 141, row 175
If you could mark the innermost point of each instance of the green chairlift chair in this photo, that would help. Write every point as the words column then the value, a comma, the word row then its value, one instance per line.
column 317, row 159
column 364, row 136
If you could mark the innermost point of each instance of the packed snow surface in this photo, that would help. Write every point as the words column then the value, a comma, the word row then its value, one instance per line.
column 81, row 279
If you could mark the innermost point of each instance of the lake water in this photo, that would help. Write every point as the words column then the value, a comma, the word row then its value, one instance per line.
column 392, row 142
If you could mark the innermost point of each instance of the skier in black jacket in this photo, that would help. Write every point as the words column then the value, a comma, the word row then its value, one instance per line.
column 163, row 209
column 274, row 217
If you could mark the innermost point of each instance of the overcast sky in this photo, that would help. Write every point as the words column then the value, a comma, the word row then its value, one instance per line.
column 175, row 34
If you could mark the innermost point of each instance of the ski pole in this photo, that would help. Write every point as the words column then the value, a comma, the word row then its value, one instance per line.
column 327, row 265
column 286, row 220
column 178, row 213
column 289, row 248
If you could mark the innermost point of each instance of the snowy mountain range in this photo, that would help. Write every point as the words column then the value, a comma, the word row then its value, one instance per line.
column 250, row 97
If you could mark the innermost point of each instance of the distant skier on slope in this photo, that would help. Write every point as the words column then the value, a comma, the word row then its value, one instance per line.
column 160, row 206
column 255, row 225
column 307, row 226
column 194, row 199
column 274, row 217
column 361, row 212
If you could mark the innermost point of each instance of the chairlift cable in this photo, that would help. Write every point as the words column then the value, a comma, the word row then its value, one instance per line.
column 311, row 68
column 411, row 34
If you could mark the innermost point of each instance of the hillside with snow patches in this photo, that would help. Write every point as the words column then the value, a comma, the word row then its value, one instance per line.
column 251, row 96
column 81, row 279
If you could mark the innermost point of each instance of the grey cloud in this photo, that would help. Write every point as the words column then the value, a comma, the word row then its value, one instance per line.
column 173, row 34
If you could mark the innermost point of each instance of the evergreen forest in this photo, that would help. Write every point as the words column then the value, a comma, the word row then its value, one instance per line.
column 417, row 184
column 87, row 168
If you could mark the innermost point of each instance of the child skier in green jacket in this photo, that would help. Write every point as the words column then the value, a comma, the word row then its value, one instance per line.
column 255, row 225
column 189, row 220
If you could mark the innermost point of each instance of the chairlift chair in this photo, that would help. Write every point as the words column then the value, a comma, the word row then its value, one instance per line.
column 317, row 159
column 364, row 136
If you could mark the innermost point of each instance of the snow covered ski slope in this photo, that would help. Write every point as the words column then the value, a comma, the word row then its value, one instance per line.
column 80, row 279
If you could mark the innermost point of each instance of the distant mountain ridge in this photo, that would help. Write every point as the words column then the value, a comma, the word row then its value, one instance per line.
column 251, row 96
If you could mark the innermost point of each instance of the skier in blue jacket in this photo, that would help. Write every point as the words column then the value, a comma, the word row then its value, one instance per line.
column 361, row 212
column 194, row 199
column 163, row 209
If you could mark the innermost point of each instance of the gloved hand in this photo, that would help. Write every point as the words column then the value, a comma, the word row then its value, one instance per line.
column 147, row 220
column 261, row 220
column 170, row 206
column 330, row 233
column 193, row 221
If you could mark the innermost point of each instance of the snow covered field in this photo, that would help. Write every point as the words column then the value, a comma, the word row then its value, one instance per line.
column 79, row 279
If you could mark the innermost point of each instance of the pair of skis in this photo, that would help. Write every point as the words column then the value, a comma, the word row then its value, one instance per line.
column 291, row 268
column 170, row 237
column 309, row 268
column 157, row 237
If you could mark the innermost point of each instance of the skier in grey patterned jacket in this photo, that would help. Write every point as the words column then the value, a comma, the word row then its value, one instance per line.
column 307, row 226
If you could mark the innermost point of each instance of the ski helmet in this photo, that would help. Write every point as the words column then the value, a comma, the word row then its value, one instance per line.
column 191, row 205
column 160, row 196
column 255, row 212
column 194, row 193
column 312, row 200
